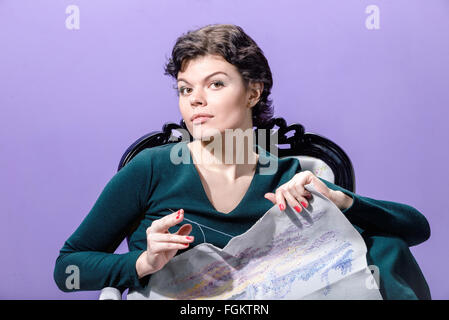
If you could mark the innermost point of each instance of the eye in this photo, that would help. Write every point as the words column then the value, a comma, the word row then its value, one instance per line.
column 181, row 90
column 220, row 83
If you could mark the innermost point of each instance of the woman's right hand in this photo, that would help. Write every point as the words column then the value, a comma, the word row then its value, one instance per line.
column 162, row 245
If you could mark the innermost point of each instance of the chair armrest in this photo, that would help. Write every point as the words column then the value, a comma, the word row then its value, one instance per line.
column 110, row 293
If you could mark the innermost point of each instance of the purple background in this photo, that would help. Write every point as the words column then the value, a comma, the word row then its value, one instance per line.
column 72, row 101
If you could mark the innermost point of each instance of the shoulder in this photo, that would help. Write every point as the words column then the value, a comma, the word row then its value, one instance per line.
column 146, row 165
column 160, row 156
column 269, row 162
column 283, row 162
column 153, row 153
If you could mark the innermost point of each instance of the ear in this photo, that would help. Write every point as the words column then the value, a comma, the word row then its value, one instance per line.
column 255, row 91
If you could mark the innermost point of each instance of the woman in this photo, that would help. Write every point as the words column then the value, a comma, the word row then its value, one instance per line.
column 223, row 83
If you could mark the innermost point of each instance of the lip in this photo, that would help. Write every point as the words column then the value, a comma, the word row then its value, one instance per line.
column 200, row 119
column 201, row 115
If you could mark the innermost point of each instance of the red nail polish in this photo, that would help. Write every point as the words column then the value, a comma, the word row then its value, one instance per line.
column 304, row 204
column 186, row 244
column 189, row 238
column 281, row 206
column 298, row 208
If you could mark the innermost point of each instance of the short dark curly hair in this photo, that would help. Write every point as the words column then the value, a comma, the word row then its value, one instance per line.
column 237, row 48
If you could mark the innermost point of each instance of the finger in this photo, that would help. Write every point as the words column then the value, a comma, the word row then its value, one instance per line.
column 280, row 199
column 163, row 224
column 297, row 189
column 293, row 202
column 159, row 247
column 299, row 183
column 297, row 192
column 271, row 197
column 167, row 237
column 306, row 193
column 184, row 230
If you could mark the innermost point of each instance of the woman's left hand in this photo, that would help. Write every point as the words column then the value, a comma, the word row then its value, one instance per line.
column 294, row 192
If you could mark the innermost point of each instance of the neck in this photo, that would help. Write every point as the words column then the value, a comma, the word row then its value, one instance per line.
column 234, row 157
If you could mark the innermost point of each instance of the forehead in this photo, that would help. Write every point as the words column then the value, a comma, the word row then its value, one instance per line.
column 203, row 65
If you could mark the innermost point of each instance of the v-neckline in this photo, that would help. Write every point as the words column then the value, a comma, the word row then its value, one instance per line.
column 203, row 191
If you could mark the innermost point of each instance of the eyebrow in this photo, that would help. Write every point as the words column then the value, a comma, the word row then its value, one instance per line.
column 212, row 74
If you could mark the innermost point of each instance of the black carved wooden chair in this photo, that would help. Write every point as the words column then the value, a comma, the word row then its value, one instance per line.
column 315, row 153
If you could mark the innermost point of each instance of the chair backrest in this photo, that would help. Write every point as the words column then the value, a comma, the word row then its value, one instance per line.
column 315, row 153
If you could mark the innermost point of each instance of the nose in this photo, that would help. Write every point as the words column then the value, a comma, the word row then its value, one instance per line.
column 197, row 99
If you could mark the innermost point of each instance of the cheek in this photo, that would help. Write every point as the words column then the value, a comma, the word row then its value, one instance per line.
column 184, row 108
column 227, row 100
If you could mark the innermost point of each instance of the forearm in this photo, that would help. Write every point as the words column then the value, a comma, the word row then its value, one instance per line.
column 142, row 267
column 382, row 216
column 90, row 270
column 341, row 200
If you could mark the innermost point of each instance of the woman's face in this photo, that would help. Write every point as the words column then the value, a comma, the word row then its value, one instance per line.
column 211, row 85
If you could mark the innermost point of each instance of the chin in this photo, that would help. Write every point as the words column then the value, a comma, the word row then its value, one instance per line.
column 204, row 132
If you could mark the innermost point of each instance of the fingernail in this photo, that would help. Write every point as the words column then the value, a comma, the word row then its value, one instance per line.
column 304, row 204
column 186, row 244
column 189, row 238
column 298, row 209
column 281, row 206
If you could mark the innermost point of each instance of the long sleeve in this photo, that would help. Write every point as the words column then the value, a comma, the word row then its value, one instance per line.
column 90, row 248
column 385, row 216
